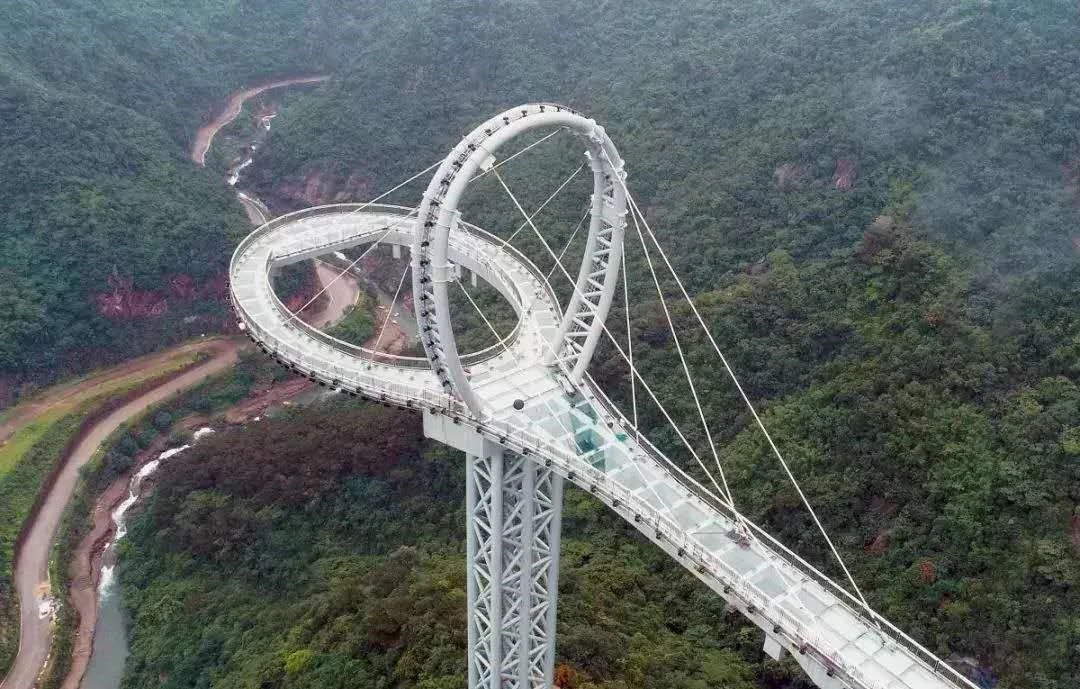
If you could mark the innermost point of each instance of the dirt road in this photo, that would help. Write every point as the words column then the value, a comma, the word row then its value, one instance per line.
column 206, row 134
column 86, row 565
column 31, row 562
column 71, row 394
column 254, row 211
column 342, row 292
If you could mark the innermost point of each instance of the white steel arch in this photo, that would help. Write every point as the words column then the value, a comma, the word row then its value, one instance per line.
column 582, row 323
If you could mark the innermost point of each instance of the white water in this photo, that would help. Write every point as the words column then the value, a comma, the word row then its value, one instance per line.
column 109, row 650
column 106, row 666
column 119, row 512
column 234, row 176
column 234, row 173
column 133, row 494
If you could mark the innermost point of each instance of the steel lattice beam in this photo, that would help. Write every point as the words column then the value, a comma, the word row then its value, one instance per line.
column 529, row 394
column 514, row 511
column 438, row 217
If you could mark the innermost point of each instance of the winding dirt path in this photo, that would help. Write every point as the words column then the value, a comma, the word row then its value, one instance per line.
column 31, row 562
column 342, row 292
column 86, row 565
column 69, row 395
column 205, row 135
column 87, row 560
column 253, row 208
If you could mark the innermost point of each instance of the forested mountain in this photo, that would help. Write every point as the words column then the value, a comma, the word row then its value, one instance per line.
column 739, row 122
column 875, row 203
column 111, row 236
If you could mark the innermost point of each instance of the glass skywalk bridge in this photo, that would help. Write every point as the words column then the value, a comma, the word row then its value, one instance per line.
column 580, row 436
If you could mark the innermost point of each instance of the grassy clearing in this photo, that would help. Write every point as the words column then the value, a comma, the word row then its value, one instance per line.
column 25, row 437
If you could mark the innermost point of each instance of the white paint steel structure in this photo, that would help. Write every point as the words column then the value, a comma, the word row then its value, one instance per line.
column 513, row 514
column 582, row 324
column 565, row 428
column 514, row 506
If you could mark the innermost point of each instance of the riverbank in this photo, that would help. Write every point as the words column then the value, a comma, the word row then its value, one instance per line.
column 85, row 574
column 85, row 570
column 99, row 644
column 205, row 136
column 31, row 575
column 341, row 292
column 89, row 637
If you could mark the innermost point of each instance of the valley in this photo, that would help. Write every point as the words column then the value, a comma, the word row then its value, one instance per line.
column 872, row 205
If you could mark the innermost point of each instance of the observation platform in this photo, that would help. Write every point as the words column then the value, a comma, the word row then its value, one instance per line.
column 581, row 435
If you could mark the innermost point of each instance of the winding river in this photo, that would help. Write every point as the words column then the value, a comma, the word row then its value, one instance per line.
column 205, row 136
column 105, row 667
column 31, row 565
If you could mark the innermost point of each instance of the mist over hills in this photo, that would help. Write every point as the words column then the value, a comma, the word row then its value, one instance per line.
column 734, row 118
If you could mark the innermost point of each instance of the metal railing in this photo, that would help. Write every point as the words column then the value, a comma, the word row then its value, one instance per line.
column 705, row 497
column 637, row 511
column 294, row 321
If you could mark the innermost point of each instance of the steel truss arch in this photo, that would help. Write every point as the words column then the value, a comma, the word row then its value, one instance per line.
column 582, row 322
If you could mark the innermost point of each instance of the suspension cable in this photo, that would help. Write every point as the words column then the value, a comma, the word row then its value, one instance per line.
column 426, row 170
column 383, row 195
column 528, row 220
column 498, row 338
column 746, row 399
column 630, row 346
column 615, row 342
column 633, row 382
column 547, row 278
column 506, row 160
column 389, row 313
column 541, row 206
column 682, row 360
column 389, row 228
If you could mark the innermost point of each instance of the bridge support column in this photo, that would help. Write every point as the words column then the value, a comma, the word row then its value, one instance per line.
column 514, row 512
column 513, row 520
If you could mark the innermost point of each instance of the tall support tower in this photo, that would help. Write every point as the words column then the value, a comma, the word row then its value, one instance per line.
column 513, row 517
column 514, row 505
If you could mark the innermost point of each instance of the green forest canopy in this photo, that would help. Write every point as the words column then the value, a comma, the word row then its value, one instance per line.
column 733, row 117
column 875, row 202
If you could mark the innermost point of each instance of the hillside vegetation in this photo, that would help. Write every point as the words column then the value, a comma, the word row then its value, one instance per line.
column 875, row 203
column 739, row 121
column 326, row 549
column 113, row 242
